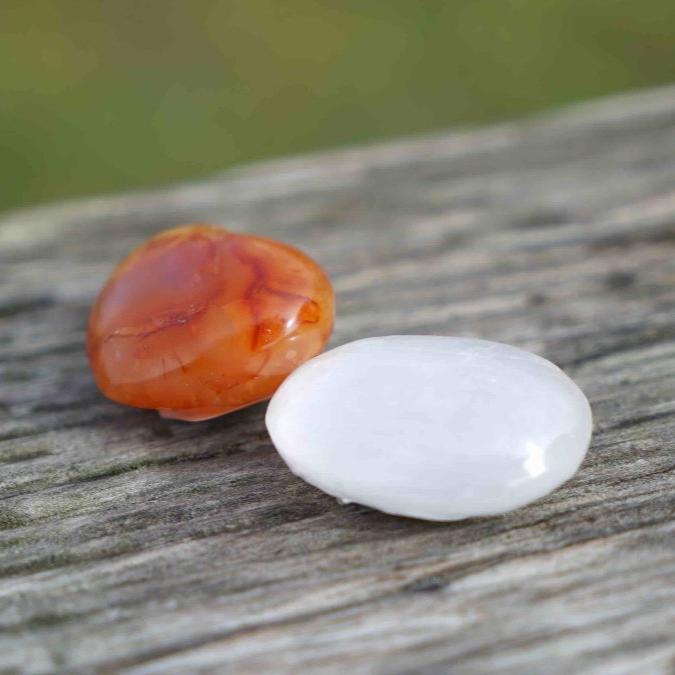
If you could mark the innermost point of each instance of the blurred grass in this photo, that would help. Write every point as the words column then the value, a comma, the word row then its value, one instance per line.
column 101, row 95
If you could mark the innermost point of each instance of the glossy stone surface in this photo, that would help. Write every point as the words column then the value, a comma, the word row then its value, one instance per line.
column 431, row 427
column 199, row 321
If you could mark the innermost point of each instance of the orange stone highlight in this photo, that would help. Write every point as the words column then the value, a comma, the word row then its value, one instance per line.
column 199, row 321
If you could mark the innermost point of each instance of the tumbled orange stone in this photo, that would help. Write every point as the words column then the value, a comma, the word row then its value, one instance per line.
column 199, row 321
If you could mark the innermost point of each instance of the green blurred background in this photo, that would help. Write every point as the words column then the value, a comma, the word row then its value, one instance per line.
column 100, row 95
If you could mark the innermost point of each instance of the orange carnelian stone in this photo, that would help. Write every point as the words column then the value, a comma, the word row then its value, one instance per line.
column 199, row 321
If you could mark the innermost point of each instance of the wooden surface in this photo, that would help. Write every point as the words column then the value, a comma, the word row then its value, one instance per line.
column 132, row 544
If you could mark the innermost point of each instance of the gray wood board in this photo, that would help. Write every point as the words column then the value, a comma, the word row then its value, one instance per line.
column 133, row 544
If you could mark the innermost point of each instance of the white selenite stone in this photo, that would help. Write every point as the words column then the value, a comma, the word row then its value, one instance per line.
column 431, row 427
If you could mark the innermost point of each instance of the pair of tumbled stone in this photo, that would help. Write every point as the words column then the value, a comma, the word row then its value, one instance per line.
column 199, row 321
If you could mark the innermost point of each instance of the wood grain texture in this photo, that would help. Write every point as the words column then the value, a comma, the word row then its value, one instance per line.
column 137, row 545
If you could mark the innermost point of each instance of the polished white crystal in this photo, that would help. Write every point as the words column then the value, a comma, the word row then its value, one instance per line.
column 431, row 427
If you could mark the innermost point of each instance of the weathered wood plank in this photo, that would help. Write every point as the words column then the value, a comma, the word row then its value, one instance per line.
column 129, row 543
